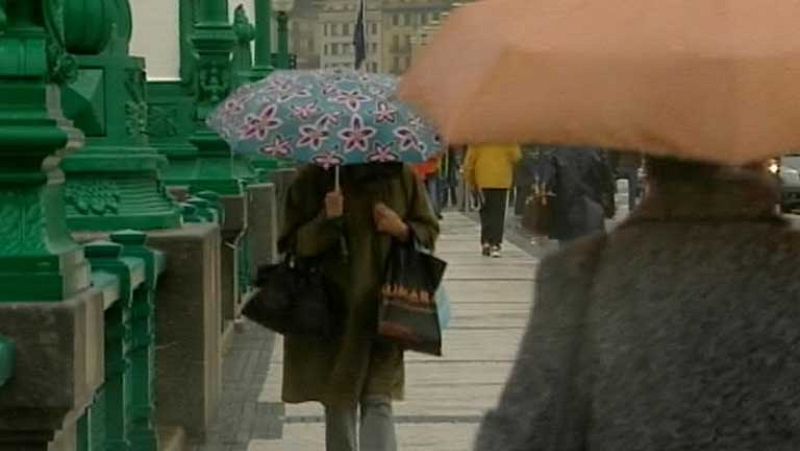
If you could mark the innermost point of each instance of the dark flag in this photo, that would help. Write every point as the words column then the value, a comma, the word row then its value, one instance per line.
column 360, row 37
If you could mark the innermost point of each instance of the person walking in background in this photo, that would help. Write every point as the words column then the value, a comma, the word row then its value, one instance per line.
column 583, row 186
column 377, row 203
column 677, row 331
column 527, row 176
column 489, row 169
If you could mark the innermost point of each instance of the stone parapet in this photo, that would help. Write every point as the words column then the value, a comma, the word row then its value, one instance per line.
column 59, row 365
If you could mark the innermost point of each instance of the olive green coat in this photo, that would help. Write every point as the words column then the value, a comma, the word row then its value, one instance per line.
column 344, row 370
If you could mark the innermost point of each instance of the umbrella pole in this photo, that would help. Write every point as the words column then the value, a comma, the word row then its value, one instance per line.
column 336, row 185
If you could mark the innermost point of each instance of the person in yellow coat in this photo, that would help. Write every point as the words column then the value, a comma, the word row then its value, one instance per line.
column 489, row 169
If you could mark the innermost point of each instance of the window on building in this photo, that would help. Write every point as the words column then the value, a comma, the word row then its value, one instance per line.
column 408, row 42
column 407, row 19
column 396, row 19
column 326, row 50
column 346, row 29
column 437, row 15
column 325, row 29
column 423, row 19
column 374, row 27
column 374, row 46
column 395, row 43
column 334, row 29
column 373, row 66
column 334, row 49
column 396, row 64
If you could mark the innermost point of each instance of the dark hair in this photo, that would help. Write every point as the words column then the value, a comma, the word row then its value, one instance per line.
column 670, row 169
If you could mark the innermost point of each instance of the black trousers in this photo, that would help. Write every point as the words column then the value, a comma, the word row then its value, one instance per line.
column 493, row 216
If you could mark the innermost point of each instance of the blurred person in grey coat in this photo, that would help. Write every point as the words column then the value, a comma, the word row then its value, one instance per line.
column 677, row 331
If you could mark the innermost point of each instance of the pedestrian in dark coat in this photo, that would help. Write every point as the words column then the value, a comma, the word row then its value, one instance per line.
column 583, row 184
column 527, row 174
column 677, row 331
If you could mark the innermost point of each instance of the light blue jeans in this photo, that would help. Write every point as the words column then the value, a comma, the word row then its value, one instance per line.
column 375, row 433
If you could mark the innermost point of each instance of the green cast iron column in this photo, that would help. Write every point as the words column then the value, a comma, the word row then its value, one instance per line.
column 39, row 261
column 283, row 40
column 213, row 40
column 242, row 55
column 263, row 56
column 114, row 182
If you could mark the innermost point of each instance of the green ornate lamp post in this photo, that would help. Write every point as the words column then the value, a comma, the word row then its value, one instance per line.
column 114, row 183
column 38, row 259
column 283, row 8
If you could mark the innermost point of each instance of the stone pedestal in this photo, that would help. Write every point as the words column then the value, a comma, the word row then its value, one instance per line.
column 188, row 333
column 59, row 365
column 234, row 224
column 283, row 179
column 262, row 223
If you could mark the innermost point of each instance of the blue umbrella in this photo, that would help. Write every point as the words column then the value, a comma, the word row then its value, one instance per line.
column 327, row 118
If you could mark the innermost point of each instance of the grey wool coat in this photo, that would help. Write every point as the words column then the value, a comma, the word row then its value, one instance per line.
column 680, row 330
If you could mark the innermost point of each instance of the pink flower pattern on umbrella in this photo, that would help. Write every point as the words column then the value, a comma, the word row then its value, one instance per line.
column 357, row 136
column 351, row 99
column 324, row 118
column 407, row 139
column 312, row 136
column 328, row 160
column 328, row 120
column 383, row 154
column 385, row 114
column 305, row 112
column 280, row 147
column 235, row 105
column 285, row 90
column 330, row 90
column 260, row 126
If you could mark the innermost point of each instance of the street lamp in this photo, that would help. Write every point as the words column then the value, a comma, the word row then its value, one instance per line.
column 283, row 7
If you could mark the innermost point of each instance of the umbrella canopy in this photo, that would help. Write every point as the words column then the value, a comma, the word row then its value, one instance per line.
column 328, row 118
column 715, row 80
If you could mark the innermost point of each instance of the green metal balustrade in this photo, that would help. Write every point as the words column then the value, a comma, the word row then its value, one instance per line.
column 122, row 416
column 6, row 360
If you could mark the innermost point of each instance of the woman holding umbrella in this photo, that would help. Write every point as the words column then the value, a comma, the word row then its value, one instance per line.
column 375, row 204
column 346, row 207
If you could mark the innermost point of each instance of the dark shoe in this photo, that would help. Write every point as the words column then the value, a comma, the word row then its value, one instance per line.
column 487, row 250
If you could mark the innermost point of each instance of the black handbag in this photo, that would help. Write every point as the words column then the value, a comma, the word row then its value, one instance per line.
column 408, row 313
column 293, row 299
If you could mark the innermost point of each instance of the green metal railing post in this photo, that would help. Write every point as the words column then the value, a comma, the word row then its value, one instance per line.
column 114, row 399
column 143, row 434
column 6, row 360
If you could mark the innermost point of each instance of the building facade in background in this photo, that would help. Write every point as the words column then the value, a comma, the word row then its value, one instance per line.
column 402, row 21
column 335, row 21
column 322, row 32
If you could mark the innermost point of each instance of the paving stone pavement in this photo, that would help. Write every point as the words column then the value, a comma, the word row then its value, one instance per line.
column 241, row 418
column 445, row 397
